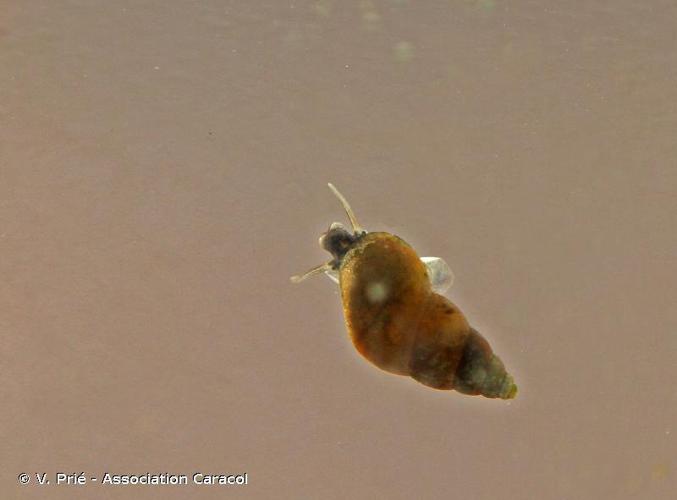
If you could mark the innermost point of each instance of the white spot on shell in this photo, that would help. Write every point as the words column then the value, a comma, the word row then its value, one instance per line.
column 377, row 292
column 441, row 277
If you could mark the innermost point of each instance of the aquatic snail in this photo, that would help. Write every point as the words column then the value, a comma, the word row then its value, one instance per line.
column 398, row 321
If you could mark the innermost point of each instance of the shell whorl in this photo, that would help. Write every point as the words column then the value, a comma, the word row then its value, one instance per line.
column 398, row 323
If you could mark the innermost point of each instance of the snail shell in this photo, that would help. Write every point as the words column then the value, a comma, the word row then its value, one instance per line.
column 401, row 325
column 398, row 322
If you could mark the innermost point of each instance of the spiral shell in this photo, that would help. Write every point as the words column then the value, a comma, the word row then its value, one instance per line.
column 401, row 325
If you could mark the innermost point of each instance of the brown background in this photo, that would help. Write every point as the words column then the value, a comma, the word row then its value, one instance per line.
column 163, row 171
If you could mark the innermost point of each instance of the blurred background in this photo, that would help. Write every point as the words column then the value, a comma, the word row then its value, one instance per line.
column 163, row 172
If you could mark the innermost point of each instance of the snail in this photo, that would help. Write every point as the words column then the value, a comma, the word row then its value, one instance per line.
column 398, row 321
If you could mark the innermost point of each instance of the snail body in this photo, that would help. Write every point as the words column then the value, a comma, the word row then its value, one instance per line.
column 398, row 323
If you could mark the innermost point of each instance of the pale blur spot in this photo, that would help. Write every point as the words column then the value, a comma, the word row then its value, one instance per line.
column 660, row 471
column 486, row 4
column 478, row 376
column 404, row 51
column 370, row 15
column 293, row 37
column 323, row 8
column 376, row 292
